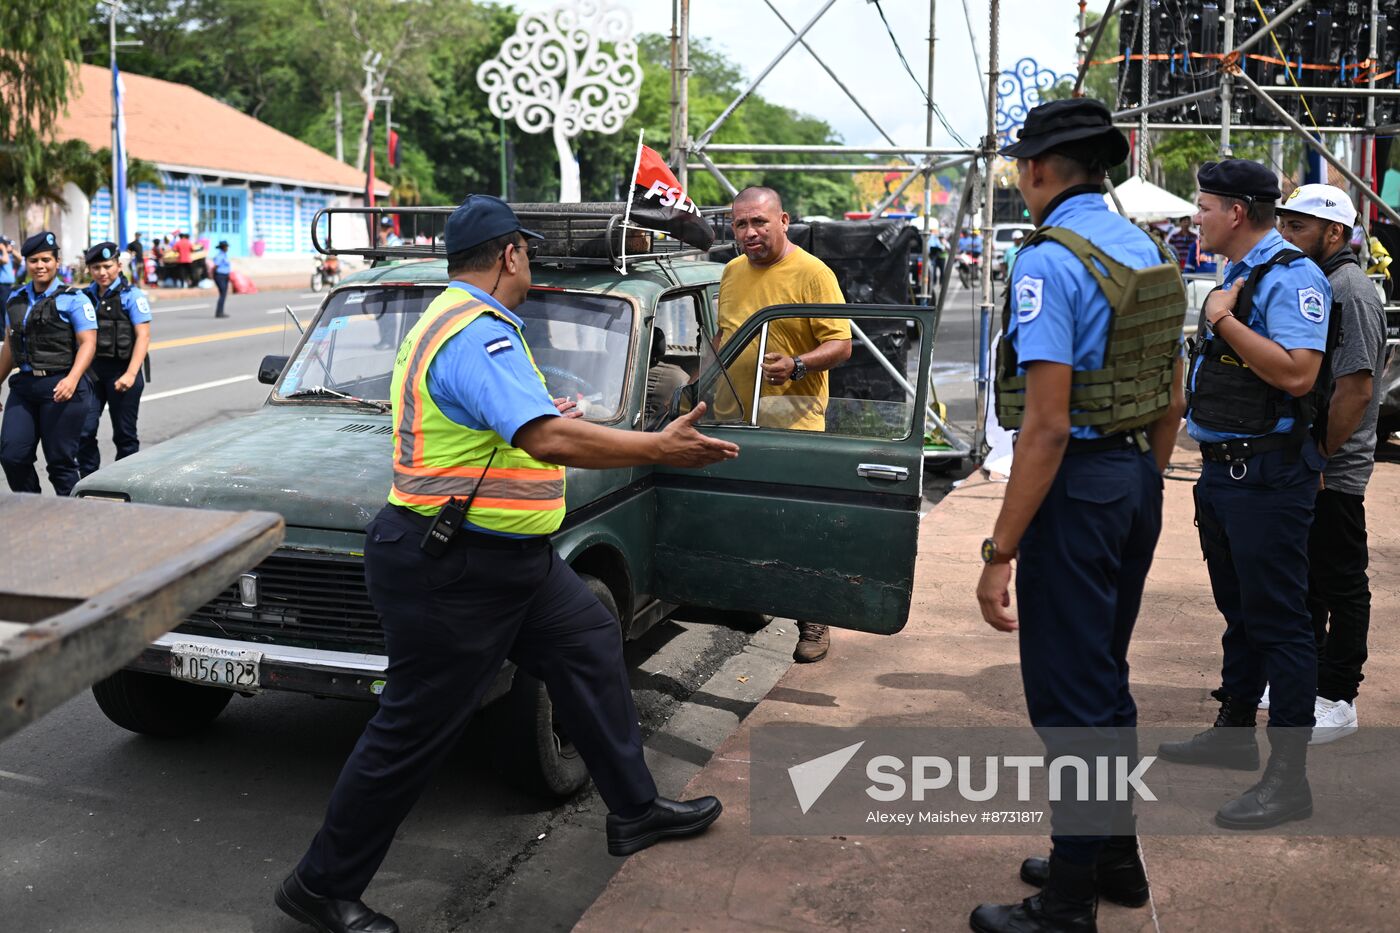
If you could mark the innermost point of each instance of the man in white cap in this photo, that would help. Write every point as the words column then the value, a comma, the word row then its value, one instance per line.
column 1318, row 219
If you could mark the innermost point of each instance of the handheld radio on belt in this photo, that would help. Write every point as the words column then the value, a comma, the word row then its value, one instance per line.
column 450, row 518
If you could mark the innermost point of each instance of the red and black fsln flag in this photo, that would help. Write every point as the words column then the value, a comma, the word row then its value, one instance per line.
column 659, row 203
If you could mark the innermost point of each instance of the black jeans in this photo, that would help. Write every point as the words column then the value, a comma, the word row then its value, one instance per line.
column 124, row 408
column 1339, row 595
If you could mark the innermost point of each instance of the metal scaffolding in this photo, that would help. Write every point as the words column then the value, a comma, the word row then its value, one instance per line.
column 694, row 153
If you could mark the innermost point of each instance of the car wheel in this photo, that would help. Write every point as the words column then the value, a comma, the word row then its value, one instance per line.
column 537, row 751
column 151, row 704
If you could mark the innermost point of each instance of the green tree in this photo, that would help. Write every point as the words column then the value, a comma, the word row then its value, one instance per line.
column 37, row 69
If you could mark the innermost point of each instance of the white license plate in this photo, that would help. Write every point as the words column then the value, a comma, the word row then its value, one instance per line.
column 217, row 667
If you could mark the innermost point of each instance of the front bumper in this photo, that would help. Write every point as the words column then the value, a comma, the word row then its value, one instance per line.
column 341, row 674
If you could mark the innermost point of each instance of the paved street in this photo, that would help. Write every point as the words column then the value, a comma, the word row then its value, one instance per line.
column 108, row 831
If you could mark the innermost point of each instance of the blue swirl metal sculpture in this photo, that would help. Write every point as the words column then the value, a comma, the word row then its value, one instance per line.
column 1018, row 90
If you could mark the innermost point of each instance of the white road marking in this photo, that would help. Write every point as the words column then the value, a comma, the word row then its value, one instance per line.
column 152, row 396
column 308, row 294
column 296, row 308
column 159, row 309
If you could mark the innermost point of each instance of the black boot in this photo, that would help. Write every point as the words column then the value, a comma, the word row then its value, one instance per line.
column 1067, row 904
column 1119, row 875
column 1282, row 794
column 1230, row 743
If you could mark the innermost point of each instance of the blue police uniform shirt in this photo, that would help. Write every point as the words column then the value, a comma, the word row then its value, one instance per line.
column 1059, row 313
column 482, row 379
column 74, row 309
column 1290, row 307
column 222, row 266
column 8, row 272
column 134, row 303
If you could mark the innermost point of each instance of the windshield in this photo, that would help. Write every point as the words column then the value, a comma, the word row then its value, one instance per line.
column 580, row 342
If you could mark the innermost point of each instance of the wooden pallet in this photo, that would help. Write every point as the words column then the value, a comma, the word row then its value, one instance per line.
column 85, row 585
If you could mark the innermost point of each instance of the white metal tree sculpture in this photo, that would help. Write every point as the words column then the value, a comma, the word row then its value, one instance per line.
column 571, row 68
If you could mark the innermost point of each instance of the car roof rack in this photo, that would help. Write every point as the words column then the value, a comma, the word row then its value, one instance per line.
column 579, row 234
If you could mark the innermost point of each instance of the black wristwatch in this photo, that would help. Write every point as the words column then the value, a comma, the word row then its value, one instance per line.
column 990, row 554
column 799, row 369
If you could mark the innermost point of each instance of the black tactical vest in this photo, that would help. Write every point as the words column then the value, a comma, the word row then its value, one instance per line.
column 1230, row 398
column 116, row 335
column 46, row 341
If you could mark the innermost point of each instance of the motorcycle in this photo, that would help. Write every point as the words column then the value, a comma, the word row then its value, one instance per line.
column 327, row 274
column 968, row 268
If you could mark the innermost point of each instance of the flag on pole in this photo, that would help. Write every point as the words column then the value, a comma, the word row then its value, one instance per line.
column 118, row 190
column 369, row 180
column 659, row 203
column 394, row 148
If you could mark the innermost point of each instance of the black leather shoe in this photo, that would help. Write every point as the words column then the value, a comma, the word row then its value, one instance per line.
column 1230, row 743
column 663, row 818
column 1119, row 876
column 1282, row 794
column 1068, row 904
column 327, row 914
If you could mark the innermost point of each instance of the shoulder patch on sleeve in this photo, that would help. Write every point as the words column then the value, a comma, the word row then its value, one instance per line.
column 1310, row 304
column 1029, row 294
column 88, row 313
column 142, row 304
column 499, row 345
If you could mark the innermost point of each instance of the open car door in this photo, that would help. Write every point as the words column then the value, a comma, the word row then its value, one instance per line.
column 817, row 519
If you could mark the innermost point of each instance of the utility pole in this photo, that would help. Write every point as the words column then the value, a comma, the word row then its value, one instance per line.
column 1226, row 80
column 926, row 280
column 339, row 131
column 680, row 89
column 117, row 200
column 373, row 78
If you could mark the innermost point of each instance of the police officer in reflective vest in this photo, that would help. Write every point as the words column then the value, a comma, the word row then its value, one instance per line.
column 1089, row 373
column 123, row 336
column 1251, row 400
column 50, row 334
column 461, row 571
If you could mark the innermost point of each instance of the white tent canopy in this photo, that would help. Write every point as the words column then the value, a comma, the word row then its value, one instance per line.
column 1144, row 201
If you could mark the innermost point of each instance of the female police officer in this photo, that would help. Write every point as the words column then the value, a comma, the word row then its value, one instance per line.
column 1250, row 409
column 462, row 574
column 1093, row 306
column 51, row 336
column 123, row 336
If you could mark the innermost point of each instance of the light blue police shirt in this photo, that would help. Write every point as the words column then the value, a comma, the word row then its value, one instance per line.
column 1290, row 307
column 1059, row 313
column 133, row 300
column 74, row 309
column 222, row 266
column 482, row 379
column 7, row 272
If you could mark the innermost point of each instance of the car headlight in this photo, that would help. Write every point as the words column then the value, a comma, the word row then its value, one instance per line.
column 108, row 496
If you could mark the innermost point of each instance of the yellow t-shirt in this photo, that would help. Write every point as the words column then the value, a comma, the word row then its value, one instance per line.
column 797, row 278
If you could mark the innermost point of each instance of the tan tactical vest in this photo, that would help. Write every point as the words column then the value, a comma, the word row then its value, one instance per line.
column 1133, row 387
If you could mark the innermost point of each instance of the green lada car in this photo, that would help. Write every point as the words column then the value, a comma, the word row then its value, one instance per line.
column 814, row 525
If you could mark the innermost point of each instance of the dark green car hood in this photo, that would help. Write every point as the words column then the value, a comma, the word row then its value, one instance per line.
column 320, row 467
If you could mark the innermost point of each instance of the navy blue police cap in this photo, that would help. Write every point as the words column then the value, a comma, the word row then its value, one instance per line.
column 1239, row 178
column 479, row 218
column 39, row 243
column 1052, row 125
column 101, row 252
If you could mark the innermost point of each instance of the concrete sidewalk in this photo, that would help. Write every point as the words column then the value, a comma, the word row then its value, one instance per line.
column 948, row 668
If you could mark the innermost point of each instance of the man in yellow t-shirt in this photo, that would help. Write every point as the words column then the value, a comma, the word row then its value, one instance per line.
column 799, row 351
column 773, row 271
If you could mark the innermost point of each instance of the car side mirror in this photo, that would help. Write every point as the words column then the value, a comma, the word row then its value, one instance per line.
column 270, row 369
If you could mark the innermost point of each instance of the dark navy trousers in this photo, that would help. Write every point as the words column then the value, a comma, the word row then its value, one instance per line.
column 123, row 406
column 1254, row 520
column 450, row 623
column 33, row 419
column 1080, row 573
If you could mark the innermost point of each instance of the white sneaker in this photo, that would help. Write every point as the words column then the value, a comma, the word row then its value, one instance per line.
column 1264, row 700
column 1335, row 719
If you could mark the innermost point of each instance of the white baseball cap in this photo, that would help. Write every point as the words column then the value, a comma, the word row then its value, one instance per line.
column 1327, row 202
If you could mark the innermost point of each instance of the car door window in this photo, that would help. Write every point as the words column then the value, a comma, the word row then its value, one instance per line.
column 869, row 395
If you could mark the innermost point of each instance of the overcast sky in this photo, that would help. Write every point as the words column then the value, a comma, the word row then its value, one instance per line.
column 850, row 38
